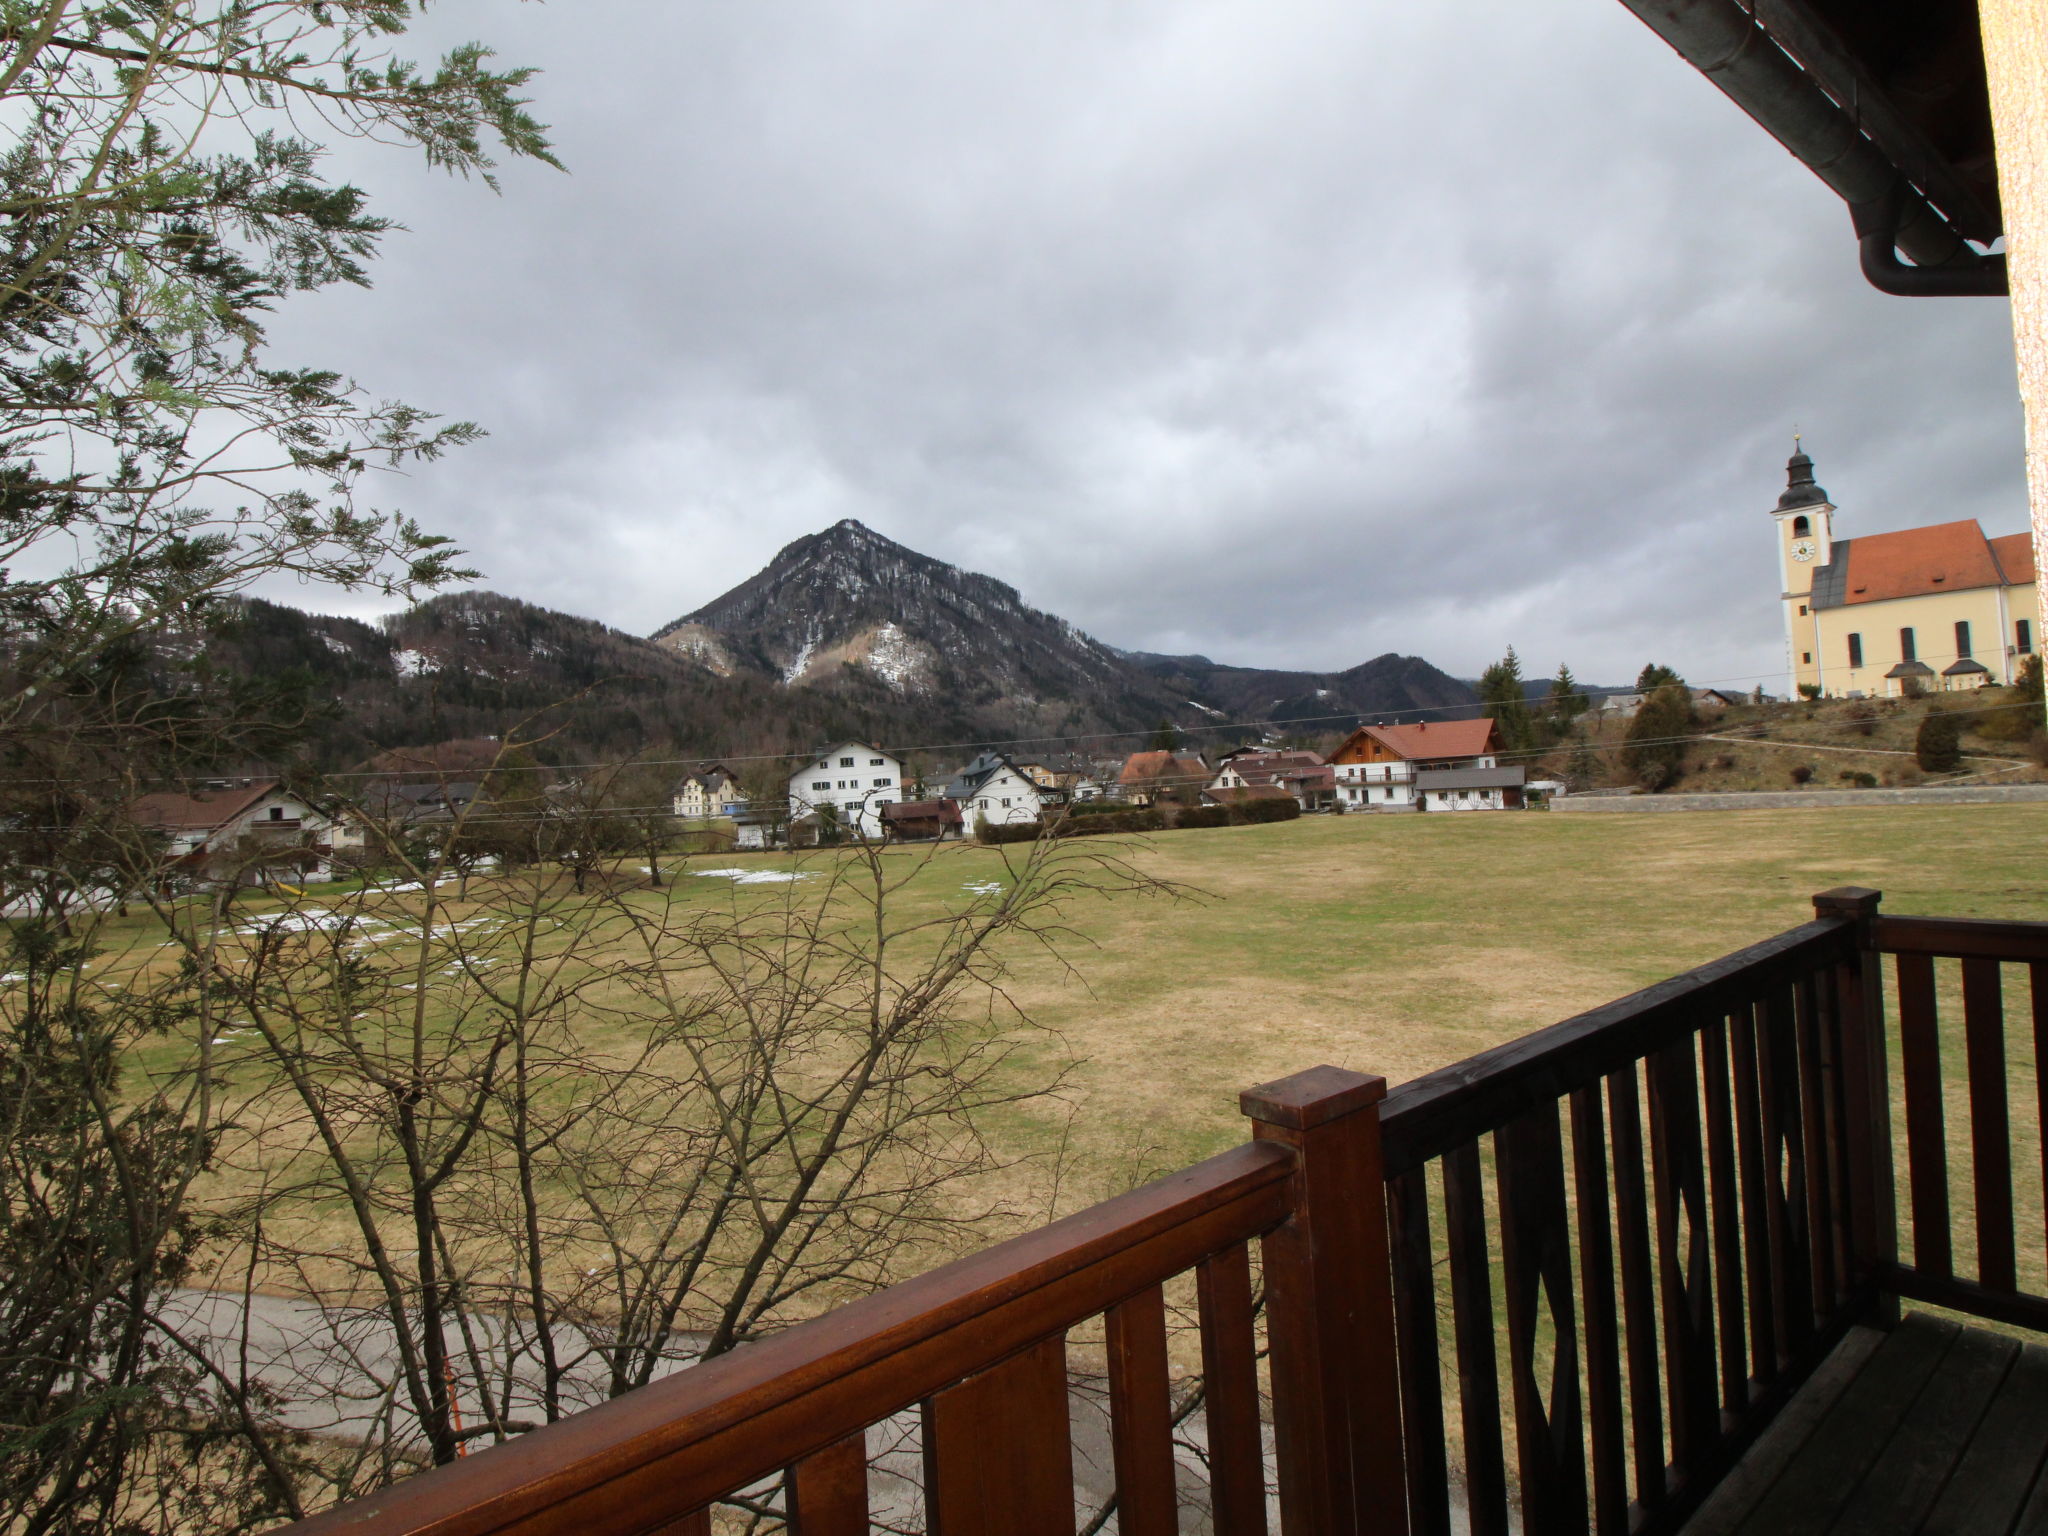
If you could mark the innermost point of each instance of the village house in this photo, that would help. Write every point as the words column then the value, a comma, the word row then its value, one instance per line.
column 1249, row 774
column 1923, row 610
column 712, row 790
column 1434, row 765
column 397, row 808
column 239, row 830
column 910, row 821
column 995, row 790
column 1148, row 776
column 847, row 784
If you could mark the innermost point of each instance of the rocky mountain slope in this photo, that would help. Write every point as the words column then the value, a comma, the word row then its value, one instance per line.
column 844, row 633
column 1312, row 701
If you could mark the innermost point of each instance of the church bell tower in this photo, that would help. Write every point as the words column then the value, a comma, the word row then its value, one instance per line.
column 1806, row 542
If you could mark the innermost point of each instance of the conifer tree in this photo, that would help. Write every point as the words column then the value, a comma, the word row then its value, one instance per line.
column 1507, row 701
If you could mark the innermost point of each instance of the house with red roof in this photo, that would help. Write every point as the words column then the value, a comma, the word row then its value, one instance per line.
column 244, row 830
column 1302, row 776
column 1432, row 765
column 1921, row 610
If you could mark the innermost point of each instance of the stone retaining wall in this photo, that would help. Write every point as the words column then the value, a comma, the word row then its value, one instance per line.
column 1788, row 799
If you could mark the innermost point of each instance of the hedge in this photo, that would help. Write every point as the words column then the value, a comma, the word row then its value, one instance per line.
column 1203, row 816
column 1140, row 820
column 1008, row 832
column 1255, row 811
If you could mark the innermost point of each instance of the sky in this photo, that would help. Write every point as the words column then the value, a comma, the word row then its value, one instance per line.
column 1290, row 333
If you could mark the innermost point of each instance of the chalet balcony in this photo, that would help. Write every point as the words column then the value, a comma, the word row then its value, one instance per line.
column 1752, row 1250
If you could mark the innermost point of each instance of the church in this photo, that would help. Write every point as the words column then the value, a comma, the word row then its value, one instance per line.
column 1923, row 610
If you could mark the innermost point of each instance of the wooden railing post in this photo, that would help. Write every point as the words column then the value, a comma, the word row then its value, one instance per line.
column 1866, row 1100
column 1330, row 1309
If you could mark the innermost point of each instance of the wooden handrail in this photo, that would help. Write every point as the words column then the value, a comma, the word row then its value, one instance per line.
column 1963, row 938
column 1429, row 1115
column 656, row 1455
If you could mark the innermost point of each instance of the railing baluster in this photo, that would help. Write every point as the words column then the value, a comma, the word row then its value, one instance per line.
column 1472, row 1316
column 998, row 1459
column 1682, row 1252
column 1926, row 1134
column 1815, row 1162
column 1727, row 1237
column 1141, row 1415
column 1638, row 1305
column 1990, row 1127
column 1777, row 1057
column 1536, row 1270
column 2037, row 995
column 1764, row 1357
column 828, row 1490
column 1422, row 1406
column 1864, row 1105
column 1596, row 1294
column 1230, row 1393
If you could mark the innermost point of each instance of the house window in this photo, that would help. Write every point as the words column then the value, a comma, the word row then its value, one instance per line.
column 277, row 813
column 884, row 783
column 1806, row 658
column 1006, row 805
column 1855, row 650
column 1801, row 527
column 846, row 762
column 1962, row 638
column 2023, row 636
column 1907, row 650
column 1802, row 610
column 822, row 785
column 874, row 762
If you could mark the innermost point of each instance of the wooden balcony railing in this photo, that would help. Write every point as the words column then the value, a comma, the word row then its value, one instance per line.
column 979, row 1348
column 1672, row 1207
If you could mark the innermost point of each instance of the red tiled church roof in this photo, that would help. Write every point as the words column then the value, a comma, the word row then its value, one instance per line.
column 1943, row 557
column 2015, row 555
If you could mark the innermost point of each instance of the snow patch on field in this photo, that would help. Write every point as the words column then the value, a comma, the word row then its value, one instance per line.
column 756, row 876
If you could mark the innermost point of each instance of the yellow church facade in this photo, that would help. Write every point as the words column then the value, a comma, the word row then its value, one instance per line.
column 1923, row 610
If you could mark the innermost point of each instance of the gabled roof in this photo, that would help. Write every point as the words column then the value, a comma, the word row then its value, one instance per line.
column 1239, row 793
column 1430, row 739
column 173, row 810
column 978, row 772
column 947, row 811
column 1270, row 767
column 1146, row 767
column 841, row 746
column 1942, row 557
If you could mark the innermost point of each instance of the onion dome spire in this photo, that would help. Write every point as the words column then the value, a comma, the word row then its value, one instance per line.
column 1800, row 491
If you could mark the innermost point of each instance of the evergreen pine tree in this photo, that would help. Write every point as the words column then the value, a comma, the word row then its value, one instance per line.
column 1564, row 703
column 1507, row 701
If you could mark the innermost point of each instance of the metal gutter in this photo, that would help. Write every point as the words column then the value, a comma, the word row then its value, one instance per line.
column 1727, row 44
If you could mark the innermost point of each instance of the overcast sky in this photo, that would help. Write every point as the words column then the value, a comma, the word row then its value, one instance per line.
column 1287, row 332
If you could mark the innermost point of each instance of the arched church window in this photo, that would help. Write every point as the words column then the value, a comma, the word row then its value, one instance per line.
column 1801, row 527
column 1855, row 650
column 1906, row 648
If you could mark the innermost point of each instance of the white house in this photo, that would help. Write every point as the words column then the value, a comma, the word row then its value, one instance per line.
column 1379, row 767
column 848, row 783
column 995, row 790
column 713, row 790
column 240, row 829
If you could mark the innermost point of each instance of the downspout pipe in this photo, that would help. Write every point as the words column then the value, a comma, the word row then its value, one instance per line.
column 1727, row 45
column 1877, row 239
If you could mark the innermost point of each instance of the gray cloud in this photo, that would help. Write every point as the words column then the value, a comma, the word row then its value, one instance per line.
column 1290, row 333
